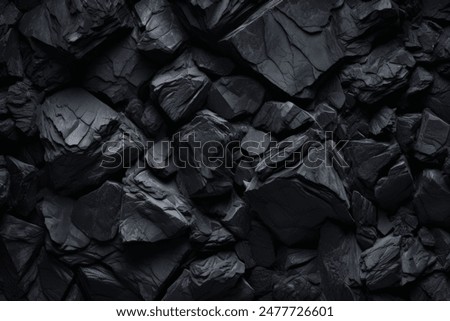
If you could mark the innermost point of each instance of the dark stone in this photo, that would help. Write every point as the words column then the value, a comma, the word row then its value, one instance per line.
column 160, row 33
column 96, row 213
column 431, row 199
column 84, row 139
column 119, row 72
column 207, row 279
column 151, row 209
column 234, row 96
column 202, row 173
column 278, row 117
column 372, row 79
column 56, row 24
column 338, row 251
column 181, row 88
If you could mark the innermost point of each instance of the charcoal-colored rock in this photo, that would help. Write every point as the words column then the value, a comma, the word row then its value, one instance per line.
column 261, row 245
column 212, row 64
column 369, row 158
column 24, row 185
column 146, row 272
column 407, row 126
column 438, row 97
column 289, row 258
column 57, row 212
column 11, row 59
column 298, row 288
column 381, row 264
column 437, row 10
column 255, row 142
column 56, row 24
column 372, row 78
column 5, row 182
column 209, row 234
column 22, row 102
column 100, row 285
column 160, row 158
column 396, row 187
column 308, row 207
column 200, row 150
column 214, row 17
column 96, row 213
column 22, row 241
column 181, row 88
column 205, row 279
column 365, row 215
column 421, row 39
column 432, row 136
column 278, row 117
column 147, row 117
column 160, row 33
column 119, row 72
column 286, row 26
column 420, row 80
column 84, row 139
column 151, row 209
column 431, row 199
column 337, row 253
column 283, row 27
column 234, row 96
column 383, row 122
column 433, row 287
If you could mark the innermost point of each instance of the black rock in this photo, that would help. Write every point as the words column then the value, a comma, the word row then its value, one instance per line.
column 365, row 215
column 383, row 122
column 160, row 33
column 119, row 72
column 181, row 88
column 56, row 24
column 160, row 158
column 338, row 252
column 24, row 184
column 207, row 279
column 151, row 210
column 96, row 214
column 396, row 187
column 278, row 117
column 381, row 264
column 438, row 97
column 203, row 173
column 57, row 212
column 84, row 139
column 407, row 126
column 431, row 199
column 100, row 284
column 308, row 207
column 147, row 271
column 11, row 61
column 372, row 79
column 5, row 182
column 420, row 80
column 284, row 27
column 214, row 17
column 432, row 137
column 298, row 288
column 22, row 102
column 261, row 245
column 433, row 287
column 234, row 96
column 147, row 117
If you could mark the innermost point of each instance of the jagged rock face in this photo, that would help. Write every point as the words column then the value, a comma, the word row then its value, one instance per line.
column 224, row 150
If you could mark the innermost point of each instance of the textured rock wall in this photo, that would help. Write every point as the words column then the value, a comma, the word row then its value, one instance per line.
column 225, row 150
